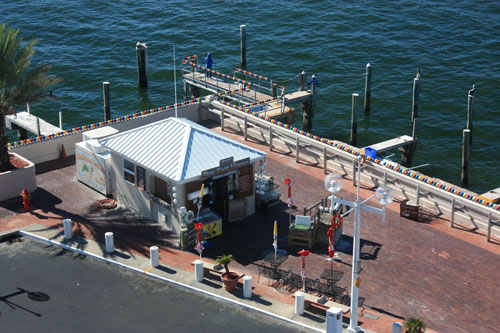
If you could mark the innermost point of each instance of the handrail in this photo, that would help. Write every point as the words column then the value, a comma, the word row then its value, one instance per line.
column 349, row 153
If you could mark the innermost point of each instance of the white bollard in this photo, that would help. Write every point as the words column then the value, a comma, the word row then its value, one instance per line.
column 198, row 270
column 334, row 320
column 110, row 244
column 247, row 286
column 397, row 327
column 299, row 303
column 153, row 255
column 68, row 228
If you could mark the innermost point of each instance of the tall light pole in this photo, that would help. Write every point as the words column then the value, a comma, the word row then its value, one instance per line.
column 384, row 195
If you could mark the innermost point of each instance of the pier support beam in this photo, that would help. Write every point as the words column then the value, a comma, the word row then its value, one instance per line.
column 141, row 51
column 307, row 107
column 243, row 45
column 470, row 111
column 416, row 91
column 354, row 119
column 368, row 87
column 408, row 151
column 105, row 96
column 465, row 157
column 195, row 91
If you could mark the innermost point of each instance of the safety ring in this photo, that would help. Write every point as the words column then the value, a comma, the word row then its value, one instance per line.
column 334, row 224
column 107, row 203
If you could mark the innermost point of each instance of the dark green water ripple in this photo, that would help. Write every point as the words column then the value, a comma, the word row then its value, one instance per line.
column 455, row 43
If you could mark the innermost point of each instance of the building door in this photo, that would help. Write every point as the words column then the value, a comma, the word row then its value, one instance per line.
column 220, row 198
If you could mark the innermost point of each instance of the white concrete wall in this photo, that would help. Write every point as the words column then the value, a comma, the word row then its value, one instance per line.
column 13, row 182
column 51, row 149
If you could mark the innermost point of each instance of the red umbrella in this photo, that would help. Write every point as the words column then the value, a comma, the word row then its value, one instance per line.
column 304, row 254
column 199, row 242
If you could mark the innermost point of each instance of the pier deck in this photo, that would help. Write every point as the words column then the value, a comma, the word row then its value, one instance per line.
column 271, row 109
column 28, row 121
column 400, row 141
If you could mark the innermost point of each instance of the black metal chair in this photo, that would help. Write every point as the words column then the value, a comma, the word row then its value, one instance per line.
column 266, row 271
column 311, row 284
column 346, row 300
column 294, row 281
column 280, row 275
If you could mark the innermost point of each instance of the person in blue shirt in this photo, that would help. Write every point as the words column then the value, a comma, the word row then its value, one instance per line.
column 209, row 63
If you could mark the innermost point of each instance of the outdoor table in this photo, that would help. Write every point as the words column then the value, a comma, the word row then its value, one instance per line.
column 331, row 276
column 275, row 261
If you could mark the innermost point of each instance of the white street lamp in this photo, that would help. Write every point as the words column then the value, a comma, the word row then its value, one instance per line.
column 384, row 195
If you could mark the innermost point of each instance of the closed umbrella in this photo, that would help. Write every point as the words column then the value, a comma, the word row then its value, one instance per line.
column 304, row 254
column 275, row 237
column 199, row 243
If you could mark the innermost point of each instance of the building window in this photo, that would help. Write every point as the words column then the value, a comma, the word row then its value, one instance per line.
column 161, row 190
column 141, row 176
column 128, row 171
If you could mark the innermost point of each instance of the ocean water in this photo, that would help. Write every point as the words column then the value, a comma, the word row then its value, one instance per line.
column 455, row 44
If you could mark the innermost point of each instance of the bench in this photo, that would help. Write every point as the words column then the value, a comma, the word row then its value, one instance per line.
column 322, row 304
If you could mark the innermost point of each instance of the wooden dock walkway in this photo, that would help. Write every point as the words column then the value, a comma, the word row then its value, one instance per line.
column 271, row 109
column 400, row 141
column 28, row 122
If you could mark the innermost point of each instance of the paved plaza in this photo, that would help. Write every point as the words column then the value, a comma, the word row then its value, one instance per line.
column 448, row 277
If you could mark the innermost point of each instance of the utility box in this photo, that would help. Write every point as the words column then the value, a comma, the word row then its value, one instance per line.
column 334, row 320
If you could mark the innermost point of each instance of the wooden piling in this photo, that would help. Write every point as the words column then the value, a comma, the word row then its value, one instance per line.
column 60, row 120
column 354, row 119
column 243, row 45
column 368, row 87
column 470, row 112
column 408, row 151
column 105, row 96
column 38, row 132
column 302, row 81
column 489, row 227
column 416, row 91
column 465, row 157
column 141, row 51
column 274, row 89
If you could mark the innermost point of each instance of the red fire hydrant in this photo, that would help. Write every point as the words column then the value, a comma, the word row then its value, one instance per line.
column 26, row 199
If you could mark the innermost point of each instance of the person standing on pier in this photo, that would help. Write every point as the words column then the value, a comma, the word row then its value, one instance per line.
column 209, row 63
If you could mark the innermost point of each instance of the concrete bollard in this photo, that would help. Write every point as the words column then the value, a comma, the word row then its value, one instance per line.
column 198, row 270
column 110, row 244
column 247, row 286
column 397, row 328
column 153, row 255
column 299, row 303
column 68, row 228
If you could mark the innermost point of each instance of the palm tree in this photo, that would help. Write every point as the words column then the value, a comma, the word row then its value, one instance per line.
column 414, row 325
column 18, row 84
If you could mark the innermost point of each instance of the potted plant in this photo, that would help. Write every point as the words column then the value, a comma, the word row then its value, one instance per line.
column 229, row 279
column 414, row 325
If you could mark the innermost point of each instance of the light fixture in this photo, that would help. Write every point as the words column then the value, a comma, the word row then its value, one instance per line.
column 384, row 194
column 333, row 183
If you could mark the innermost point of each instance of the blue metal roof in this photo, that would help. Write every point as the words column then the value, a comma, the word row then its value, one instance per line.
column 177, row 148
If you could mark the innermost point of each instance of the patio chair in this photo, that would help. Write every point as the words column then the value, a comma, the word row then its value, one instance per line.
column 294, row 281
column 346, row 300
column 280, row 275
column 265, row 271
column 311, row 284
column 337, row 292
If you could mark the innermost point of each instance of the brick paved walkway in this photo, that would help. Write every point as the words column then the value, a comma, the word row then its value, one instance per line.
column 446, row 276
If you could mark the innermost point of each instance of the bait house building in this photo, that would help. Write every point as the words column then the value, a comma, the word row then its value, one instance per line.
column 173, row 170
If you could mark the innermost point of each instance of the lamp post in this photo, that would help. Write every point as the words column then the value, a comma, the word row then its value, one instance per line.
column 384, row 195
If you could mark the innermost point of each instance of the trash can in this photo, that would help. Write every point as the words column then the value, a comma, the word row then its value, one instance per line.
column 370, row 152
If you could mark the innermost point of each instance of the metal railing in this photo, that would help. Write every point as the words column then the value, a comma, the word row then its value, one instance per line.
column 439, row 202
